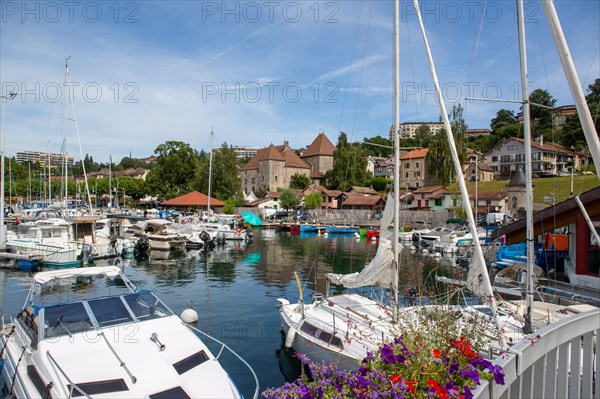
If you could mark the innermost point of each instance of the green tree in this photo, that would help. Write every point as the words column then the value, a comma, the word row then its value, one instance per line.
column 313, row 200
column 382, row 147
column 288, row 200
column 541, row 117
column 299, row 181
column 226, row 182
column 132, row 163
column 594, row 93
column 438, row 164
column 504, row 117
column 350, row 165
column 175, row 169
column 378, row 183
column 423, row 136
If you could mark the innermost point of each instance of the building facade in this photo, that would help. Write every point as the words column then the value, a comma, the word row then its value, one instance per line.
column 408, row 130
column 44, row 158
column 412, row 168
column 548, row 159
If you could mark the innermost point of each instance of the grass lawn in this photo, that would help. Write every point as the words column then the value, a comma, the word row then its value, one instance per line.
column 559, row 187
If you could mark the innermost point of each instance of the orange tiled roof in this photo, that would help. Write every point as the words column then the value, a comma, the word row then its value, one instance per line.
column 194, row 198
column 429, row 189
column 416, row 154
column 276, row 153
column 362, row 200
column 320, row 146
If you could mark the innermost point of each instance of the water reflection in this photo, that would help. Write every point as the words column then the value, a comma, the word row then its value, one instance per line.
column 234, row 288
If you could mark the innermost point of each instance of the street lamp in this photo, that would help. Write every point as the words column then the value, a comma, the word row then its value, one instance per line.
column 10, row 96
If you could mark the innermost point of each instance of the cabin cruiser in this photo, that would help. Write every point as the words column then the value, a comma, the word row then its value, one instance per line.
column 159, row 233
column 126, row 345
column 53, row 243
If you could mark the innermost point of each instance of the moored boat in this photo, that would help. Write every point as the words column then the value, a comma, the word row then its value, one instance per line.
column 127, row 345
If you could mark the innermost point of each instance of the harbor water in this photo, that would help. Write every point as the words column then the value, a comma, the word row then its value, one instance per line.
column 234, row 289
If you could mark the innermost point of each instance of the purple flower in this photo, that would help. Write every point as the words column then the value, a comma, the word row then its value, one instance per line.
column 498, row 373
column 387, row 352
column 468, row 393
column 470, row 372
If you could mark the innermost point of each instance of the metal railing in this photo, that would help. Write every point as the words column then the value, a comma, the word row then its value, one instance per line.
column 224, row 346
column 557, row 361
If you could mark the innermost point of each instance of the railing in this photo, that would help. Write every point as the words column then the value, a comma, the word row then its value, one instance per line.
column 557, row 361
column 224, row 346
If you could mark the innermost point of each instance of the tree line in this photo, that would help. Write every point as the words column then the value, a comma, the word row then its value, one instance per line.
column 179, row 169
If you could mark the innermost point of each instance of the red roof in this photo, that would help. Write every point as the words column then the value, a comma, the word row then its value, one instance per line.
column 276, row 153
column 416, row 154
column 362, row 200
column 320, row 146
column 194, row 198
column 428, row 189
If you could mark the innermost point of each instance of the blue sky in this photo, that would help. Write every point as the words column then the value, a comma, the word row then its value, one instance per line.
column 261, row 72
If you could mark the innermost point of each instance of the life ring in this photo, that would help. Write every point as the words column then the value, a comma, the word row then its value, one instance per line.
column 238, row 232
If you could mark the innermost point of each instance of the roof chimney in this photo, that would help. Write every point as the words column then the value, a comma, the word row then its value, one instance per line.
column 286, row 144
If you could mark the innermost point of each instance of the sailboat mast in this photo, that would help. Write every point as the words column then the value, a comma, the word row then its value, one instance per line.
column 528, row 328
column 478, row 280
column 212, row 135
column 109, row 180
column 566, row 60
column 396, row 119
column 65, row 162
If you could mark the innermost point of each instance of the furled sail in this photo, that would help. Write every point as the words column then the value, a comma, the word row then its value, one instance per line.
column 380, row 271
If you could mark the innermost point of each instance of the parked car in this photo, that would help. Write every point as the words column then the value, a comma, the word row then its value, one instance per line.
column 301, row 216
column 278, row 215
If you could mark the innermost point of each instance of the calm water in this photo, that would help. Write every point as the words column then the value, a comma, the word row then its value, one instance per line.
column 234, row 290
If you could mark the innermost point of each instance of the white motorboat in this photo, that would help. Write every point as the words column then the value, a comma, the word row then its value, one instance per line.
column 53, row 243
column 128, row 345
column 159, row 233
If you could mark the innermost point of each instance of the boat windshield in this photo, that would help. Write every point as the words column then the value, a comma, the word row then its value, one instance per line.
column 71, row 318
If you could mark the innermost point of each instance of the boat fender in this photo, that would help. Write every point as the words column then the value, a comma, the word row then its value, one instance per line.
column 416, row 237
column 289, row 337
column 425, row 252
column 189, row 315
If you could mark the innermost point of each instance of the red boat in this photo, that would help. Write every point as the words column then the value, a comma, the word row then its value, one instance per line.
column 295, row 228
column 372, row 233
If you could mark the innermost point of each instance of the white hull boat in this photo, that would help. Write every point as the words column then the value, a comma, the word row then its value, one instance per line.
column 128, row 345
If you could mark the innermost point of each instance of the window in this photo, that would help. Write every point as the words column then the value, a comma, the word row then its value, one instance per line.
column 511, row 147
column 65, row 319
column 190, row 362
column 494, row 158
column 408, row 165
column 110, row 311
column 176, row 392
column 417, row 165
column 99, row 387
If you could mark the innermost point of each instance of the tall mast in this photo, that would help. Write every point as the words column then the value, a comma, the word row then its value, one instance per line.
column 528, row 328
column 566, row 60
column 65, row 152
column 212, row 135
column 109, row 180
column 478, row 280
column 396, row 119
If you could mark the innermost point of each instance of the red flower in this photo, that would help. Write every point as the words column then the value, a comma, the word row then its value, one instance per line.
column 440, row 392
column 411, row 385
column 464, row 346
column 395, row 378
column 436, row 353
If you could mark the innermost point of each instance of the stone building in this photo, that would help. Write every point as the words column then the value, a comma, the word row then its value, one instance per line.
column 272, row 168
column 319, row 155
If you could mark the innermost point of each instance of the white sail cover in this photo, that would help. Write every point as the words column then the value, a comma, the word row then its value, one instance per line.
column 108, row 271
column 380, row 271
